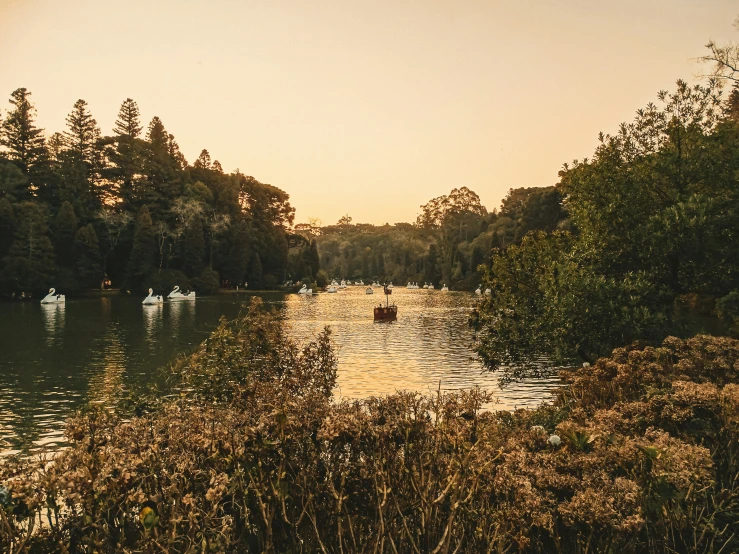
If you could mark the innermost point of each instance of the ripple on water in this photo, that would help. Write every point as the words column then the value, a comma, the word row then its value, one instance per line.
column 53, row 361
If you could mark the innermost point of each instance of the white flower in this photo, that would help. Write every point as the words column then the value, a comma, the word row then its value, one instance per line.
column 554, row 440
column 538, row 429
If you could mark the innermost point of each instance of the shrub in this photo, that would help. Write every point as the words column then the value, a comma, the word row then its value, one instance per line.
column 253, row 455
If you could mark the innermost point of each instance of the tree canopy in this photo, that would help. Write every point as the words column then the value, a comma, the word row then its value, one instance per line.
column 81, row 207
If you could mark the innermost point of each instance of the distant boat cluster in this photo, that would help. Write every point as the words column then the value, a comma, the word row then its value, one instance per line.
column 336, row 286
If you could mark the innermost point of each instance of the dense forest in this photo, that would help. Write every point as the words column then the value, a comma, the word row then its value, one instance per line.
column 449, row 242
column 652, row 231
column 79, row 209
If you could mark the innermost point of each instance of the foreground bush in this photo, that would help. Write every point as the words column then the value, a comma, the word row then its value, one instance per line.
column 252, row 455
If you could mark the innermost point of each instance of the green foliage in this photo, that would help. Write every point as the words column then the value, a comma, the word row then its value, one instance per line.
column 143, row 259
column 198, row 214
column 65, row 231
column 208, row 282
column 7, row 225
column 653, row 217
column 193, row 248
column 29, row 263
column 727, row 308
column 87, row 256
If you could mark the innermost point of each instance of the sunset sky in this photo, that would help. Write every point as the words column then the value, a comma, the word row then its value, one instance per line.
column 368, row 108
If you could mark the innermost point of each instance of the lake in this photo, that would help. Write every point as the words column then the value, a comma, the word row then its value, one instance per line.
column 55, row 358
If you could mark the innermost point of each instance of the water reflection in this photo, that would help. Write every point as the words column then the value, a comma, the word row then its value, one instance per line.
column 114, row 344
column 152, row 319
column 53, row 315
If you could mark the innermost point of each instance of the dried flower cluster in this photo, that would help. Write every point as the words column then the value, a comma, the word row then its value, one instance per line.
column 253, row 455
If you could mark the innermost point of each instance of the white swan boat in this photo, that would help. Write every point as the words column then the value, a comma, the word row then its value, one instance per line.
column 390, row 286
column 488, row 292
column 53, row 297
column 425, row 285
column 444, row 288
column 478, row 290
column 177, row 295
column 376, row 284
column 369, row 290
column 305, row 290
column 343, row 284
column 332, row 289
column 430, row 287
column 151, row 299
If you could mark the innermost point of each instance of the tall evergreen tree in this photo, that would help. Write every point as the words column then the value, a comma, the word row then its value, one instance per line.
column 157, row 135
column 82, row 132
column 19, row 134
column 144, row 252
column 128, row 123
column 203, row 161
column 175, row 154
column 87, row 257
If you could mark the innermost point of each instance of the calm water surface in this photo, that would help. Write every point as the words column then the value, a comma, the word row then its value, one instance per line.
column 54, row 358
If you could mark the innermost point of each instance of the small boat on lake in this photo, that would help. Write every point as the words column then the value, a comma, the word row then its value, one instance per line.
column 53, row 297
column 332, row 289
column 305, row 290
column 151, row 299
column 388, row 312
column 369, row 290
column 444, row 288
column 176, row 294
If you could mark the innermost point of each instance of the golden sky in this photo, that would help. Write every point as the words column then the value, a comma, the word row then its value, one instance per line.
column 370, row 107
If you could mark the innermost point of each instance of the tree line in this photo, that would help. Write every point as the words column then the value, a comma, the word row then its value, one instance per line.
column 79, row 209
column 449, row 243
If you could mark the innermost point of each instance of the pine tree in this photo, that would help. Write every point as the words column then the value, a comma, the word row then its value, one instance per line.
column 175, row 154
column 82, row 132
column 157, row 135
column 23, row 140
column 193, row 248
column 144, row 252
column 203, row 161
column 65, row 231
column 128, row 123
column 29, row 263
column 217, row 166
column 87, row 255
